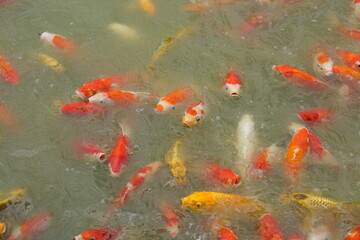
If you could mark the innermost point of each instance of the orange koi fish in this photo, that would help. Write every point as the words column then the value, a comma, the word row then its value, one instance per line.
column 148, row 6
column 350, row 33
column 7, row 118
column 57, row 41
column 348, row 75
column 300, row 78
column 100, row 234
column 120, row 155
column 269, row 229
column 226, row 234
column 207, row 5
column 255, row 21
column 172, row 220
column 118, row 97
column 350, row 59
column 353, row 234
column 261, row 167
column 172, row 99
column 135, row 182
column 297, row 149
column 79, row 109
column 233, row 84
column 89, row 150
column 7, row 72
column 220, row 176
column 316, row 117
column 104, row 85
column 323, row 64
column 193, row 114
column 32, row 227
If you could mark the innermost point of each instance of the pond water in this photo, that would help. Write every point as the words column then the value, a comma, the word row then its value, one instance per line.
column 77, row 193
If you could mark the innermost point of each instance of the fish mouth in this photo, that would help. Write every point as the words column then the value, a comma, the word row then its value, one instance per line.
column 235, row 94
column 186, row 124
column 237, row 181
column 183, row 205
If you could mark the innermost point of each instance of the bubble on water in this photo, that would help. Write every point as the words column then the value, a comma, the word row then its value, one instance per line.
column 139, row 110
column 66, row 169
column 218, row 117
column 313, row 20
column 37, row 80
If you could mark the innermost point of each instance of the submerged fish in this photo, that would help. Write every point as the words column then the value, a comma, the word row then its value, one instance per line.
column 176, row 162
column 89, row 150
column 58, row 41
column 316, row 117
column 254, row 21
column 246, row 144
column 51, row 62
column 172, row 99
column 348, row 75
column 232, row 84
column 210, row 202
column 148, row 6
column 207, row 5
column 220, row 176
column 269, row 229
column 321, row 232
column 13, row 197
column 193, row 114
column 123, row 31
column 261, row 166
column 171, row 219
column 80, row 109
column 7, row 118
column 7, row 72
column 322, row 62
column 32, row 226
column 100, row 234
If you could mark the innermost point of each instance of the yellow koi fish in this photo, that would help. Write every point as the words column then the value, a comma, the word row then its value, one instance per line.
column 209, row 202
column 148, row 6
column 13, row 197
column 51, row 62
column 176, row 163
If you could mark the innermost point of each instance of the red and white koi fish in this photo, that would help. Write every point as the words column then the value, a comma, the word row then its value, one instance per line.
column 300, row 78
column 119, row 157
column 316, row 117
column 104, row 85
column 348, row 75
column 232, row 84
column 350, row 59
column 135, row 182
column 261, row 167
column 32, row 226
column 172, row 99
column 297, row 149
column 89, row 150
column 220, row 176
column 269, row 229
column 100, row 234
column 322, row 62
column 193, row 114
column 255, row 21
column 118, row 97
column 58, row 41
column 353, row 234
column 171, row 219
column 79, row 109
column 7, row 72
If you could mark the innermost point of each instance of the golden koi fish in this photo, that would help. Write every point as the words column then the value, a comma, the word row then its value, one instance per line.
column 209, row 202
column 51, row 62
column 13, row 197
column 176, row 163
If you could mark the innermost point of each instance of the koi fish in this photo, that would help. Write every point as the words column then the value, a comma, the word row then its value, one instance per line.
column 89, row 150
column 99, row 234
column 51, row 62
column 300, row 78
column 7, row 72
column 118, row 97
column 256, row 20
column 193, row 114
column 353, row 234
column 246, row 143
column 221, row 176
column 172, row 220
column 32, row 227
column 12, row 198
column 232, row 84
column 261, row 167
column 172, row 99
column 7, row 118
column 119, row 157
column 176, row 163
column 350, row 33
column 321, row 232
column 269, row 229
column 348, row 75
column 323, row 64
column 226, row 234
column 148, row 6
column 316, row 117
column 297, row 149
column 203, row 6
column 79, row 109
column 208, row 202
column 350, row 59
column 57, row 41
column 135, row 182
column 123, row 31
column 104, row 85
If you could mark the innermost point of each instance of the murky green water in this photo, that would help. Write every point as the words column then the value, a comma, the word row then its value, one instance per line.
column 78, row 193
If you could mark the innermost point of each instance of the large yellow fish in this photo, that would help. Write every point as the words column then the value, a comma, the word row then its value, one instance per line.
column 51, row 62
column 13, row 197
column 176, row 163
column 210, row 202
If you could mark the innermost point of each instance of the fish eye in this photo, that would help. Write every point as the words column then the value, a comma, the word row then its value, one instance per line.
column 226, row 87
column 198, row 204
column 198, row 119
column 300, row 196
column 173, row 107
column 92, row 238
column 357, row 64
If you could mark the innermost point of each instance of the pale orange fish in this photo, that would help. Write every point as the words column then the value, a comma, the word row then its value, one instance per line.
column 254, row 21
column 7, row 72
column 58, row 41
column 148, row 6
column 322, row 62
column 7, row 118
column 172, row 99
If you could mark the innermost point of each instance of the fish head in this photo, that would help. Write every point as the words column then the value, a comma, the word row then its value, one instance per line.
column 199, row 202
column 325, row 69
column 101, row 98
column 228, row 177
column 163, row 106
column 190, row 120
column 47, row 37
column 309, row 116
column 233, row 89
